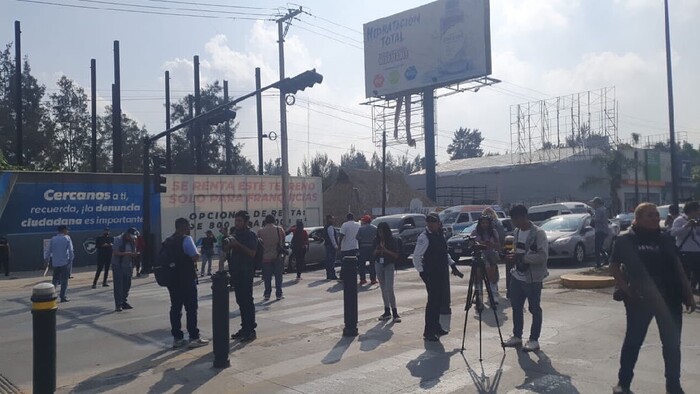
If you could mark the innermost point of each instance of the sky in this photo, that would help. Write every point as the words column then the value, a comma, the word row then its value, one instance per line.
column 540, row 49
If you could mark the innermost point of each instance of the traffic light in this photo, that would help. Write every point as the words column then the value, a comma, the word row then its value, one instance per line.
column 302, row 81
column 221, row 116
column 159, row 180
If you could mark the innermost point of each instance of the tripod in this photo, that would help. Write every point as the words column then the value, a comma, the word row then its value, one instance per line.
column 478, row 277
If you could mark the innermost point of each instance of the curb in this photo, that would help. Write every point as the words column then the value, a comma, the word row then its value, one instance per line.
column 578, row 281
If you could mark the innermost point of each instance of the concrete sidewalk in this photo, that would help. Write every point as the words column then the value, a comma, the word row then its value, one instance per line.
column 581, row 339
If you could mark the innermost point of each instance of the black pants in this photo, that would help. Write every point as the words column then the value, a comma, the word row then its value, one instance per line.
column 509, row 276
column 300, row 261
column 183, row 294
column 691, row 265
column 669, row 319
column 5, row 262
column 103, row 262
column 434, row 281
column 243, row 287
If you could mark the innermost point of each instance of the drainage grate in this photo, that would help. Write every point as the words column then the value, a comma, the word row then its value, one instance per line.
column 6, row 387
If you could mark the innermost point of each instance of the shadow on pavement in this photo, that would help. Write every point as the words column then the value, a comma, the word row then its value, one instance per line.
column 336, row 354
column 317, row 283
column 375, row 336
column 335, row 288
column 86, row 315
column 431, row 364
column 540, row 375
column 188, row 378
column 485, row 384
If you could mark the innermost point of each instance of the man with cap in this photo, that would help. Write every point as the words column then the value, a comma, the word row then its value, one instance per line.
column 365, row 238
column 60, row 255
column 600, row 224
column 431, row 260
column 123, row 253
column 104, row 256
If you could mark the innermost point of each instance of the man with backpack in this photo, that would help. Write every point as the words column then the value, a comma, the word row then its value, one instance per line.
column 181, row 250
column 243, row 250
column 272, row 237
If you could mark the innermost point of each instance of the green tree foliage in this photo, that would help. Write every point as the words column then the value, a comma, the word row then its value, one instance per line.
column 71, row 126
column 273, row 167
column 132, row 145
column 615, row 166
column 320, row 166
column 354, row 159
column 402, row 164
column 466, row 143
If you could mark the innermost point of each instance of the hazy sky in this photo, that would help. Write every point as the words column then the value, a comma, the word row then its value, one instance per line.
column 540, row 49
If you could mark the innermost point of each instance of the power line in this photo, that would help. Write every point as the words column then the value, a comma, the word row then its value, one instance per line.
column 331, row 31
column 213, row 5
column 328, row 37
column 333, row 22
column 171, row 8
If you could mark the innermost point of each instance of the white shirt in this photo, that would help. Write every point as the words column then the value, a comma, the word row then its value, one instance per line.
column 521, row 241
column 422, row 247
column 349, row 231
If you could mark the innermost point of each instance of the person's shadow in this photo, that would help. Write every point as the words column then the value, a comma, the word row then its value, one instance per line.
column 541, row 376
column 336, row 353
column 375, row 336
column 431, row 364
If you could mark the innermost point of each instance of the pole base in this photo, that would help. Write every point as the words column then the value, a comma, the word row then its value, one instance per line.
column 350, row 332
column 222, row 363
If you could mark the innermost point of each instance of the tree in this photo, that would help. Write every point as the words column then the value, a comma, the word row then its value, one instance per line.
column 354, row 159
column 271, row 167
column 466, row 143
column 132, row 143
column 320, row 166
column 614, row 165
column 71, row 125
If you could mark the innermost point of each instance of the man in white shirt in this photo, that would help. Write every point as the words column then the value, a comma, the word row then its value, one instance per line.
column 348, row 237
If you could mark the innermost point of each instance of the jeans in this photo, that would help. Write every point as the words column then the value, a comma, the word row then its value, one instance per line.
column 183, row 294
column 102, row 263
column 330, row 262
column 367, row 254
column 121, row 282
column 273, row 268
column 60, row 276
column 206, row 262
column 385, row 274
column 243, row 288
column 599, row 253
column 532, row 292
column 669, row 319
column 434, row 281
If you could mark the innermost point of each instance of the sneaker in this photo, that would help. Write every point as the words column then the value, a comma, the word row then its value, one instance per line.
column 396, row 319
column 363, row 282
column 384, row 317
column 127, row 306
column 199, row 342
column 65, row 299
column 178, row 343
column 94, row 286
column 238, row 335
column 249, row 337
column 280, row 298
column 105, row 285
column 531, row 346
column 431, row 338
column 201, row 275
column 118, row 309
column 266, row 298
column 442, row 333
column 621, row 390
column 513, row 342
column 374, row 282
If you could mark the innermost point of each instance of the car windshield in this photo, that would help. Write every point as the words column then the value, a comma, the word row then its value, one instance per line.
column 469, row 229
column 561, row 223
column 393, row 223
column 448, row 217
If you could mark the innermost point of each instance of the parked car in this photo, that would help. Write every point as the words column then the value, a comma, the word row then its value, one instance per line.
column 624, row 220
column 406, row 227
column 571, row 237
column 455, row 219
column 317, row 251
column 461, row 244
column 539, row 213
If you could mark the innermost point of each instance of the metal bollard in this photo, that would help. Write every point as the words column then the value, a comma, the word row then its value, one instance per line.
column 220, row 319
column 348, row 274
column 44, row 308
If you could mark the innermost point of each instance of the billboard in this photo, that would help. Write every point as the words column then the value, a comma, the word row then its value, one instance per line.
column 433, row 45
column 210, row 201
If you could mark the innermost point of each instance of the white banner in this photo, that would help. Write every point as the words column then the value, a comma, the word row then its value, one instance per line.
column 211, row 201
column 434, row 45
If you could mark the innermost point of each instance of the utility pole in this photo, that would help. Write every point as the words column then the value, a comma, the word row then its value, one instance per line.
column 384, row 172
column 671, row 120
column 168, row 147
column 227, row 135
column 429, row 127
column 258, row 105
column 117, row 141
column 199, row 160
column 93, row 109
column 18, row 95
column 190, row 132
column 281, row 33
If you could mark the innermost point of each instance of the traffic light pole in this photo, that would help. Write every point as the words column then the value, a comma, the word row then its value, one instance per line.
column 146, row 253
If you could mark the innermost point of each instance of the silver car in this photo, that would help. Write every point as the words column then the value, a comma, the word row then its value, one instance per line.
column 571, row 237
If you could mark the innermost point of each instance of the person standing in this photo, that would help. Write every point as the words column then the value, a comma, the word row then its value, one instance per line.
column 673, row 214
column 220, row 240
column 386, row 253
column 272, row 237
column 60, row 255
column 366, row 236
column 600, row 224
column 486, row 234
column 300, row 245
column 140, row 241
column 5, row 254
column 652, row 285
column 207, row 243
column 431, row 260
column 242, row 247
column 183, row 289
column 530, row 268
column 686, row 229
column 123, row 254
column 330, row 242
column 348, row 237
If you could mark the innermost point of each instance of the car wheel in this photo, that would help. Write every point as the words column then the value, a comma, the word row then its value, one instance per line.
column 579, row 253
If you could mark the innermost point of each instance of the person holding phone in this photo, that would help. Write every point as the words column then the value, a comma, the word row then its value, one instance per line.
column 123, row 254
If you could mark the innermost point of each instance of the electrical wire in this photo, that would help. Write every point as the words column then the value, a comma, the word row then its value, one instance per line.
column 318, row 33
column 213, row 5
column 332, row 22
column 153, row 7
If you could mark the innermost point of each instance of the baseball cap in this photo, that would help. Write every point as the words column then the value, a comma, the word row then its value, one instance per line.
column 132, row 231
column 366, row 219
column 432, row 217
column 597, row 200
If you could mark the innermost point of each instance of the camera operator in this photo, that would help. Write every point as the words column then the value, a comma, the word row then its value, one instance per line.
column 530, row 268
column 652, row 285
column 431, row 260
column 687, row 232
column 242, row 247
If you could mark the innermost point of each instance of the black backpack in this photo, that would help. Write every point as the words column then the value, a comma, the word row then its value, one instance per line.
column 164, row 267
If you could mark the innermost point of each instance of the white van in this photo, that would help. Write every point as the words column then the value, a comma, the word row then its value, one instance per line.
column 540, row 213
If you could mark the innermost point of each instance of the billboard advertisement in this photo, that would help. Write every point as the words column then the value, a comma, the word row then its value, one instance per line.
column 433, row 45
column 34, row 204
column 210, row 201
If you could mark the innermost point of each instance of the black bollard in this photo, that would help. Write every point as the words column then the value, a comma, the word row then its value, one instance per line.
column 220, row 319
column 44, row 337
column 348, row 274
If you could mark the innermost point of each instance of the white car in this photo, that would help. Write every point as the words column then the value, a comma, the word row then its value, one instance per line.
column 571, row 237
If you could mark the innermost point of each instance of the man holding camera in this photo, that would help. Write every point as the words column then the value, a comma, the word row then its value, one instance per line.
column 431, row 260
column 242, row 246
column 687, row 232
column 530, row 260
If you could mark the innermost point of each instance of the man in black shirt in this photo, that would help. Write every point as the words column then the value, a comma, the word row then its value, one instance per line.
column 5, row 254
column 242, row 247
column 104, row 256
